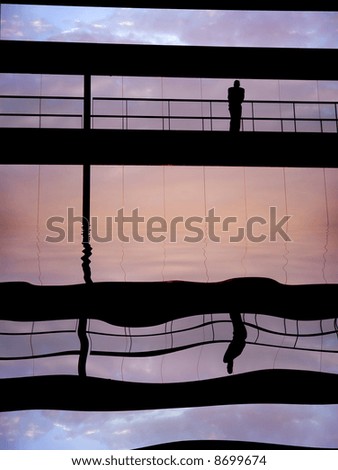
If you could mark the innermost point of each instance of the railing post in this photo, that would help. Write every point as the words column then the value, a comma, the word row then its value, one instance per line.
column 253, row 116
column 86, row 167
column 320, row 119
column 202, row 116
column 294, row 115
column 163, row 120
column 169, row 115
column 211, row 126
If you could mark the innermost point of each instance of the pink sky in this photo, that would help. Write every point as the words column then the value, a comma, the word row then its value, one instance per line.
column 35, row 194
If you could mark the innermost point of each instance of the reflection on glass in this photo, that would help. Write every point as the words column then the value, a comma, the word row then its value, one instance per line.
column 42, row 244
column 297, row 346
column 43, row 227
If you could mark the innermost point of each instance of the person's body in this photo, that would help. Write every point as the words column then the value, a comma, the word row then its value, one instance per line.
column 236, row 96
column 237, row 344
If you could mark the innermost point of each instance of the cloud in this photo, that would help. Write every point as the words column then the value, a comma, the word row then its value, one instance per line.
column 90, row 432
column 32, row 431
column 62, row 426
column 39, row 26
column 19, row 430
column 126, row 23
column 122, row 432
column 21, row 24
column 9, row 424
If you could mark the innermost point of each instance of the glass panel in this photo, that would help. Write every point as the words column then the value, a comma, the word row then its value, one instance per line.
column 41, row 240
column 16, row 91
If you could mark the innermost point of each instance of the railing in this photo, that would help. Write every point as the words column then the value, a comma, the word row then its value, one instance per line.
column 41, row 111
column 167, row 114
column 42, row 341
column 213, row 115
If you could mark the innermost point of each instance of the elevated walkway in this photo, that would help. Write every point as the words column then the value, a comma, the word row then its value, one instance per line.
column 168, row 61
column 155, row 147
column 298, row 302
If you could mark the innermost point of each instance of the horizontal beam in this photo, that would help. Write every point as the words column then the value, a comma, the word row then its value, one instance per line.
column 263, row 5
column 247, row 295
column 167, row 61
column 95, row 394
column 184, row 148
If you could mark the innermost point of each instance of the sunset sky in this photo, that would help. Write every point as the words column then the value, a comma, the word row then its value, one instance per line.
column 31, row 195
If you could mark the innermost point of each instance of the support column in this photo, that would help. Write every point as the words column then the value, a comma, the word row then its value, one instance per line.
column 87, row 250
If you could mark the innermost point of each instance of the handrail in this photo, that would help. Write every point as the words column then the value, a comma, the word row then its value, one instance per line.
column 199, row 100
column 311, row 112
column 208, row 114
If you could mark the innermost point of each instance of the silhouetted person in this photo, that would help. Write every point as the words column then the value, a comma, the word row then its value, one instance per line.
column 237, row 344
column 235, row 97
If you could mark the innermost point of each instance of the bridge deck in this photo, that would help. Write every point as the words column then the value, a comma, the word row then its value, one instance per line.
column 186, row 148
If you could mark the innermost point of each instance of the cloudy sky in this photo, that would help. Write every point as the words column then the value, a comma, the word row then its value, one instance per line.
column 305, row 425
column 193, row 27
column 299, row 425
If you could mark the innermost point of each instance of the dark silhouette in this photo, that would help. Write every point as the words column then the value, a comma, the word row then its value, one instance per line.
column 87, row 252
column 245, row 294
column 235, row 97
column 237, row 344
column 71, row 392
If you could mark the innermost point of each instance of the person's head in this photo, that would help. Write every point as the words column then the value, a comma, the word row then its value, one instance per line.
column 237, row 83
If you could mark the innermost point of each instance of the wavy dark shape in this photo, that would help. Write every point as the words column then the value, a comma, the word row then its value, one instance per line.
column 140, row 304
column 70, row 392
column 266, row 5
column 226, row 445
